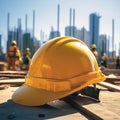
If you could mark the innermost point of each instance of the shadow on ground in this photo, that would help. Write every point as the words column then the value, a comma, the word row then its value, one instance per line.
column 11, row 110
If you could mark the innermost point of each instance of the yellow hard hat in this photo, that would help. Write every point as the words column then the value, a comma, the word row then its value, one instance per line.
column 27, row 49
column 13, row 42
column 93, row 46
column 62, row 66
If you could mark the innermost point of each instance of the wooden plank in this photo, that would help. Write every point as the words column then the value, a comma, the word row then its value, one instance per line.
column 91, row 108
column 2, row 66
column 4, row 86
column 13, row 72
column 110, row 71
column 12, row 81
column 113, row 80
column 109, row 86
column 12, row 75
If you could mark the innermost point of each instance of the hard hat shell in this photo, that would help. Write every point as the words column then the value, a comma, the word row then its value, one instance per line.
column 93, row 46
column 13, row 42
column 62, row 66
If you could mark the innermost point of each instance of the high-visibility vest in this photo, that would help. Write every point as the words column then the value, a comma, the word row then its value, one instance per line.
column 18, row 54
column 13, row 51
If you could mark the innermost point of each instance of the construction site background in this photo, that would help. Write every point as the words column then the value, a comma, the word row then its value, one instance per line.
column 111, row 64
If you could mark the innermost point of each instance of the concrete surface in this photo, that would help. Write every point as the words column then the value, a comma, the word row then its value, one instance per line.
column 56, row 110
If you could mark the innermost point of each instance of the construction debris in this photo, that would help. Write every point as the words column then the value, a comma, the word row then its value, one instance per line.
column 12, row 74
column 89, row 107
column 110, row 86
column 3, row 66
column 108, row 71
column 4, row 86
column 12, row 81
column 107, row 109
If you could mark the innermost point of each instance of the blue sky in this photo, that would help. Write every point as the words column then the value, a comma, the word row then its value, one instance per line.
column 46, row 14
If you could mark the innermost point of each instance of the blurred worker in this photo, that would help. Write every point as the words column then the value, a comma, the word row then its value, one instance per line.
column 118, row 62
column 13, row 55
column 27, row 58
column 104, row 60
column 94, row 51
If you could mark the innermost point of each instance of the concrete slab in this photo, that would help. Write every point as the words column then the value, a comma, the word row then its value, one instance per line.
column 57, row 110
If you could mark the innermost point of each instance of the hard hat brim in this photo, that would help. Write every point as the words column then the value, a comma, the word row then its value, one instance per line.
column 26, row 95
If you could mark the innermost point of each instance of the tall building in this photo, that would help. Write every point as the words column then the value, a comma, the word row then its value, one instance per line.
column 119, row 49
column 54, row 33
column 12, row 35
column 113, row 45
column 94, row 28
column 83, row 35
column 113, row 40
column 28, row 42
column 70, row 31
column 36, row 44
column 19, row 35
column 0, row 44
column 2, row 55
column 103, row 47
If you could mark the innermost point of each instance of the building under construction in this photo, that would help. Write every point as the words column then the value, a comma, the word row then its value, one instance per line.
column 24, row 40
